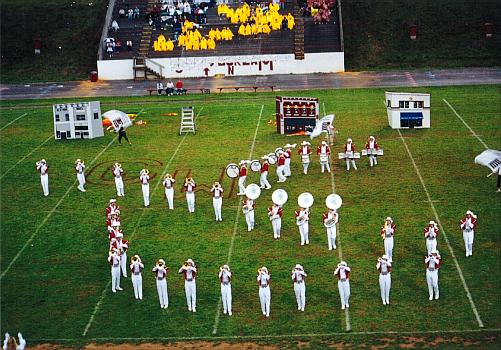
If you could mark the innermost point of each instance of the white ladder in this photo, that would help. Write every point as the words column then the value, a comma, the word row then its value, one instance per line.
column 187, row 120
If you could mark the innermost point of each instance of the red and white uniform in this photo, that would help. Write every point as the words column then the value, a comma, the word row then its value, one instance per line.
column 225, row 279
column 114, row 260
column 169, row 191
column 263, row 281
column 287, row 165
column 145, row 187
column 349, row 150
column 281, row 167
column 384, row 268
column 123, row 245
column 248, row 207
column 119, row 184
column 342, row 273
column 430, row 234
column 189, row 187
column 371, row 146
column 112, row 209
column 137, row 278
column 468, row 225
column 432, row 263
column 217, row 201
column 263, row 179
column 330, row 219
column 387, row 232
column 161, row 281
column 302, row 218
column 190, row 272
column 80, row 168
column 324, row 151
column 275, row 213
column 298, row 277
column 43, row 169
column 242, row 175
column 304, row 151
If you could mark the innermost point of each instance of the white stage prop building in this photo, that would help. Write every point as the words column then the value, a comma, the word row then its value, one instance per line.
column 408, row 110
column 77, row 120
column 490, row 158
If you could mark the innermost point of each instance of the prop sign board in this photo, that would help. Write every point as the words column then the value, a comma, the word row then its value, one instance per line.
column 296, row 114
column 118, row 119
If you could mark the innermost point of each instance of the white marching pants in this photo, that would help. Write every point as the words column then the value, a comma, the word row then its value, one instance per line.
column 265, row 299
column 249, row 219
column 385, row 285
column 123, row 263
column 300, row 291
column 352, row 163
column 344, row 292
column 305, row 168
column 190, row 289
column 432, row 280
column 388, row 247
column 431, row 245
column 190, row 199
column 468, row 237
column 163, row 297
column 277, row 225
column 137, row 283
column 324, row 166
column 115, row 277
column 217, row 203
column 169, row 194
column 331, row 237
column 280, row 173
column 119, row 184
column 146, row 194
column 373, row 160
column 241, row 184
column 287, row 167
column 263, row 180
column 44, row 179
column 226, row 297
column 81, row 181
column 303, row 232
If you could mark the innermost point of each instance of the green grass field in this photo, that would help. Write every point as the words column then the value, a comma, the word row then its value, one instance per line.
column 58, row 284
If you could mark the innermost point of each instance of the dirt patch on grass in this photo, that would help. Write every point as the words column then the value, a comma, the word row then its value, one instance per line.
column 173, row 346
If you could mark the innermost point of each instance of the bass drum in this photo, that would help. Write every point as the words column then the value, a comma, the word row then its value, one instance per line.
column 255, row 166
column 232, row 170
column 272, row 158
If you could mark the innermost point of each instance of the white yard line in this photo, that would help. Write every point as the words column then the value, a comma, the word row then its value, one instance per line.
column 22, row 115
column 456, row 263
column 235, row 226
column 281, row 336
column 26, row 156
column 160, row 180
column 466, row 124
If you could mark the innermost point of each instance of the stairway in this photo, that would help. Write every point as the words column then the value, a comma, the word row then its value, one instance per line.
column 298, row 34
column 144, row 45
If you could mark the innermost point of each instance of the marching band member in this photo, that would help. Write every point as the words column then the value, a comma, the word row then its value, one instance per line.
column 217, row 200
column 384, row 268
column 468, row 225
column 275, row 213
column 189, row 271
column 304, row 151
column 242, row 175
column 263, row 280
column 330, row 219
column 117, row 174
column 169, row 190
column 343, row 284
column 248, row 208
column 302, row 218
column 331, row 131
column 281, row 166
column 112, row 208
column 287, row 165
column 265, row 167
column 432, row 262
column 324, row 151
column 113, row 243
column 43, row 169
column 115, row 229
column 349, row 150
column 161, row 270
column 144, row 178
column 122, row 245
column 497, row 171
column 225, row 278
column 79, row 168
column 10, row 342
column 371, row 146
column 298, row 277
column 189, row 187
column 387, row 231
column 114, row 260
column 136, row 266
column 431, row 233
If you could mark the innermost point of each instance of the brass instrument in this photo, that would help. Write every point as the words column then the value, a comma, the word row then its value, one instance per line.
column 303, row 217
column 331, row 222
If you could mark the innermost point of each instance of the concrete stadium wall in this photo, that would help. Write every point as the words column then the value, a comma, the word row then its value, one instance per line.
column 192, row 67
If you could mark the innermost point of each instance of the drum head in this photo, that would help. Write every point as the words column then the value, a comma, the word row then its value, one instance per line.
column 255, row 165
column 232, row 170
column 272, row 158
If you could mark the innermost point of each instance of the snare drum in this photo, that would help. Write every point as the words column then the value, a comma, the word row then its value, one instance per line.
column 255, row 165
column 305, row 159
column 324, row 158
column 232, row 170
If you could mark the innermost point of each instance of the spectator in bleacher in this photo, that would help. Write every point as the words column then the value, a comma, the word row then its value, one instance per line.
column 129, row 45
column 187, row 9
column 136, row 13
column 130, row 14
column 179, row 87
column 169, row 89
column 109, row 50
column 160, row 87
column 114, row 25
column 121, row 13
column 118, row 46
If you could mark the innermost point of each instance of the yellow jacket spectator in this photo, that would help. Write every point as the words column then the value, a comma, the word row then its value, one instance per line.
column 218, row 34
column 229, row 34
column 169, row 45
column 212, row 34
column 248, row 29
column 189, row 44
column 241, row 29
column 197, row 34
column 196, row 45
column 266, row 29
column 211, row 44
column 234, row 18
column 181, row 40
column 253, row 29
column 161, row 38
column 314, row 11
column 203, row 44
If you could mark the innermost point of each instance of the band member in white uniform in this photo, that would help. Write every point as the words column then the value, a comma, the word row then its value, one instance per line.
column 330, row 219
column 497, row 171
column 468, row 225
column 123, row 246
column 189, row 272
column 43, row 169
column 263, row 179
column 112, row 208
column 432, row 262
column 169, row 190
column 217, row 200
column 304, row 151
column 114, row 260
column 242, row 175
column 342, row 273
column 118, row 172
column 430, row 234
column 371, row 146
column 80, row 168
column 302, row 218
column 263, row 281
column 248, row 207
column 281, row 166
column 287, row 165
column 298, row 277
column 144, row 178
column 384, row 268
column 324, row 151
column 136, row 267
column 161, row 271
column 275, row 213
column 189, row 187
column 10, row 342
column 331, row 131
column 349, row 150
column 387, row 232
column 225, row 279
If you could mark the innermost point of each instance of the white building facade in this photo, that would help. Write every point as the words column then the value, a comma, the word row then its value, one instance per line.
column 408, row 110
column 80, row 120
